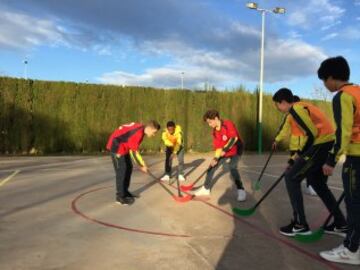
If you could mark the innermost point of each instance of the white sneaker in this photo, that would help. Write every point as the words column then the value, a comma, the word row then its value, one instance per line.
column 342, row 255
column 309, row 190
column 202, row 192
column 241, row 195
column 181, row 178
column 165, row 178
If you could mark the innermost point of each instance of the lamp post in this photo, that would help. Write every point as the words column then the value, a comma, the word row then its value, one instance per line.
column 25, row 68
column 277, row 10
column 182, row 80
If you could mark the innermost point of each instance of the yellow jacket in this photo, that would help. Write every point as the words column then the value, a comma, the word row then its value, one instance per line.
column 346, row 105
column 297, row 137
column 175, row 140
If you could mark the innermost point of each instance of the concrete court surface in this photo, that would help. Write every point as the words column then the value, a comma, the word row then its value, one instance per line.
column 59, row 213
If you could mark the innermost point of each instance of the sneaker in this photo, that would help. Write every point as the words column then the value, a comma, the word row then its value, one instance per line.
column 333, row 229
column 128, row 194
column 241, row 195
column 295, row 228
column 181, row 178
column 202, row 192
column 309, row 190
column 341, row 254
column 166, row 177
column 125, row 200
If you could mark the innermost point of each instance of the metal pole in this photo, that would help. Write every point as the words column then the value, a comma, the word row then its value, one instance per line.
column 182, row 80
column 25, row 69
column 260, row 146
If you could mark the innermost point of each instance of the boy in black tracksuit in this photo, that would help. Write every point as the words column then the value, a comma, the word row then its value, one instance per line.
column 320, row 138
column 335, row 74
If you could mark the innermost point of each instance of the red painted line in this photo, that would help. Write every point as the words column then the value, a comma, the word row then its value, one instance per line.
column 241, row 220
column 276, row 238
column 272, row 236
column 78, row 212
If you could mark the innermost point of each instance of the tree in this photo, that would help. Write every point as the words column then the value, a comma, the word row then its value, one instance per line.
column 321, row 93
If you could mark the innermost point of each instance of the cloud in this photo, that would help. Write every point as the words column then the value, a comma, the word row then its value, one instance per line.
column 351, row 33
column 221, row 71
column 330, row 36
column 196, row 37
column 308, row 13
column 294, row 35
column 194, row 77
column 21, row 31
column 331, row 25
column 102, row 49
column 300, row 59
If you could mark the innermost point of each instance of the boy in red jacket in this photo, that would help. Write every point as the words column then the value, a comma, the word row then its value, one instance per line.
column 228, row 145
column 124, row 143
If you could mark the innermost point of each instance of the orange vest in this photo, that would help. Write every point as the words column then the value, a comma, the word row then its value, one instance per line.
column 354, row 91
column 319, row 119
column 295, row 130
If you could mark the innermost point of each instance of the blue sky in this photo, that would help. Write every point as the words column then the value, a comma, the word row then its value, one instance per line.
column 151, row 42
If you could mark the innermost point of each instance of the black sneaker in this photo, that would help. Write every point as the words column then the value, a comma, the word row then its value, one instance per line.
column 294, row 228
column 128, row 194
column 125, row 200
column 335, row 230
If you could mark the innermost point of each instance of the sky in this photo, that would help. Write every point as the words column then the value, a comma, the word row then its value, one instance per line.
column 160, row 42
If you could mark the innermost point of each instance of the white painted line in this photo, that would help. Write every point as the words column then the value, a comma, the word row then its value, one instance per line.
column 68, row 162
column 7, row 179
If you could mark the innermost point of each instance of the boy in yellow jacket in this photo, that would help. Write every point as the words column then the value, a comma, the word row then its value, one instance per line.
column 173, row 139
column 296, row 142
column 335, row 74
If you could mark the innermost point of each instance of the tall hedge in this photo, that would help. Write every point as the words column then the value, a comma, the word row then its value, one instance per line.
column 65, row 117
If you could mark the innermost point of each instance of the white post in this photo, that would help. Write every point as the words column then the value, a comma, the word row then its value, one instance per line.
column 25, row 69
column 277, row 10
column 182, row 80
column 261, row 85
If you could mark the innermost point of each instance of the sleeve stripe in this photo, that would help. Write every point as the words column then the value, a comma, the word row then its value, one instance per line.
column 343, row 107
column 137, row 158
column 337, row 117
column 230, row 144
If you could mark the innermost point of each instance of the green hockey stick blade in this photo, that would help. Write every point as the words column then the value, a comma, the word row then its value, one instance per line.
column 244, row 212
column 310, row 238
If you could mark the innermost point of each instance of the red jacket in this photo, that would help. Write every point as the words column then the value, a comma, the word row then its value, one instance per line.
column 222, row 136
column 127, row 137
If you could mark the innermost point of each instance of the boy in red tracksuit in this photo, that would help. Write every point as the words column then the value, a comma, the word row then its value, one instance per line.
column 228, row 145
column 124, row 143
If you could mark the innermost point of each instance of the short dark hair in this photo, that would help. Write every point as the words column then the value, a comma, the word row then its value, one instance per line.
column 283, row 94
column 336, row 67
column 170, row 124
column 211, row 114
column 296, row 98
column 154, row 124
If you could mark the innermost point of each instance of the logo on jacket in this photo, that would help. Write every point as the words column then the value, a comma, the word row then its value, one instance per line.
column 224, row 138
